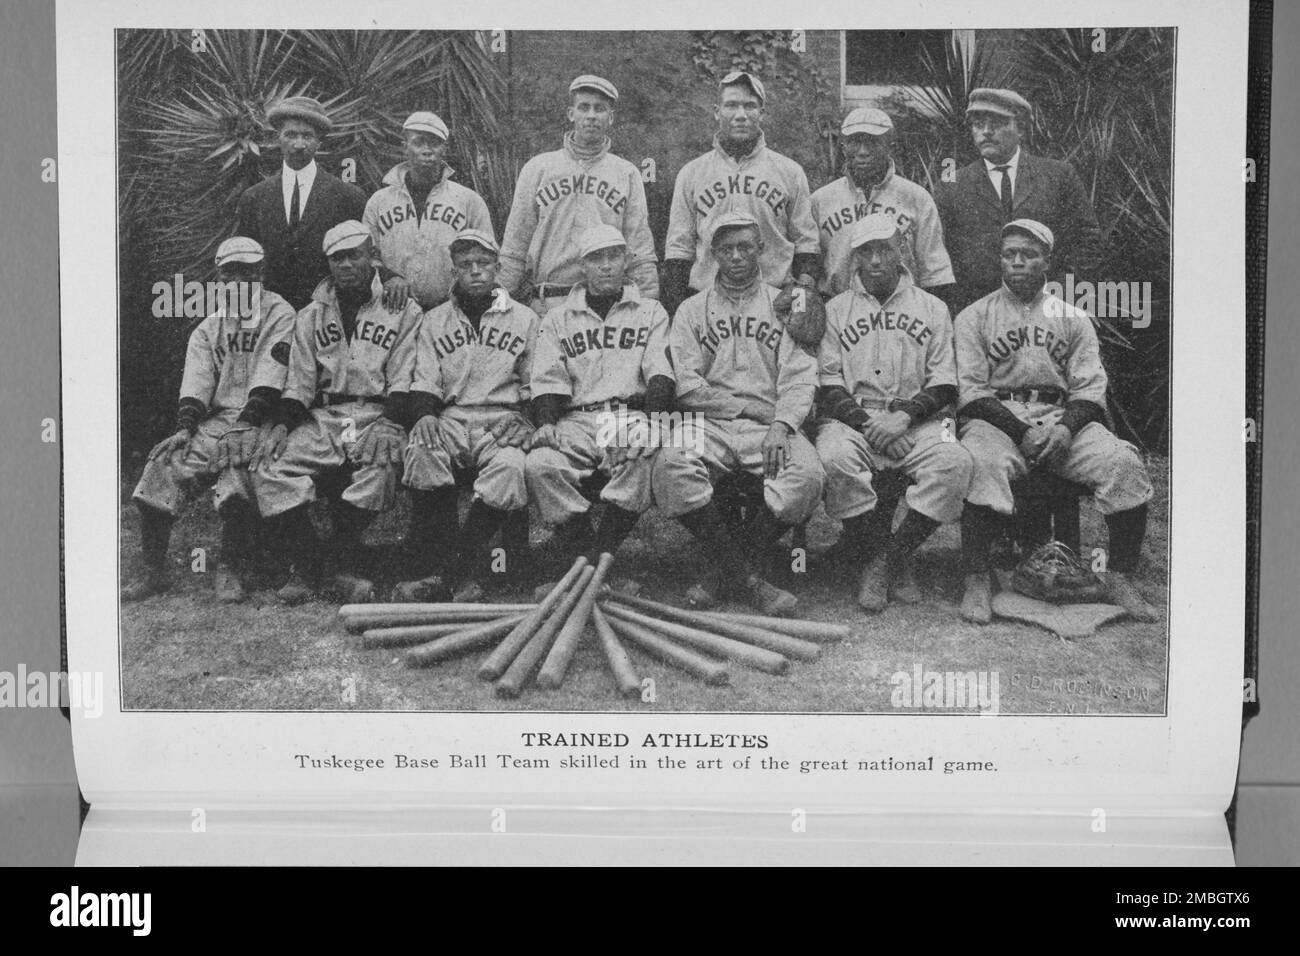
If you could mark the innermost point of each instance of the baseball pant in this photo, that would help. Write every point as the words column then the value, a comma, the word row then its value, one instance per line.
column 553, row 474
column 318, row 444
column 169, row 482
column 701, row 450
column 1110, row 467
column 940, row 470
column 468, row 444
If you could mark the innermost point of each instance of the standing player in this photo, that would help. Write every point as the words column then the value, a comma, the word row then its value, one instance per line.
column 561, row 194
column 1033, row 393
column 600, row 368
column 473, row 358
column 870, row 186
column 417, row 213
column 740, row 175
column 744, row 387
column 888, row 374
column 345, row 397
column 234, row 370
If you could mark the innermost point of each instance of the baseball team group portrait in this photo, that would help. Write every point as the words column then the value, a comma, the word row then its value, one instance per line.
column 756, row 371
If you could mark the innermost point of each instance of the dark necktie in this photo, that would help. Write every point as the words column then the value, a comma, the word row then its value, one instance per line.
column 1008, row 199
column 294, row 214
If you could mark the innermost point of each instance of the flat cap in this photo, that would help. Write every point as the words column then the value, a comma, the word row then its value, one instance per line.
column 479, row 238
column 732, row 220
column 1031, row 227
column 878, row 225
column 866, row 119
column 1002, row 102
column 239, row 249
column 749, row 79
column 346, row 235
column 425, row 122
column 600, row 237
column 303, row 108
column 597, row 84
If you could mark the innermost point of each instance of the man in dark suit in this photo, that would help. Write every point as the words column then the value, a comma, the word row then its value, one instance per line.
column 1008, row 183
column 289, row 213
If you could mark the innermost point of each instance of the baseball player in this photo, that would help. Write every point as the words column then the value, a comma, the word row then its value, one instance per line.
column 870, row 186
column 561, row 193
column 601, row 367
column 888, row 376
column 418, row 212
column 234, row 370
column 473, row 358
column 744, row 387
column 344, row 398
column 1032, row 391
column 740, row 175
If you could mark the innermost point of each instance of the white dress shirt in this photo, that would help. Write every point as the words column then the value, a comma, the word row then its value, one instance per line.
column 305, row 177
column 995, row 177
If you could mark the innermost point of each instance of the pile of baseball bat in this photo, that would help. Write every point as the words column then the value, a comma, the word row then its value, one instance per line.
column 537, row 642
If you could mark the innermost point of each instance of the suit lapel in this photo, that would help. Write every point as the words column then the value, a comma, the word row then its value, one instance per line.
column 316, row 200
column 984, row 186
column 1026, row 180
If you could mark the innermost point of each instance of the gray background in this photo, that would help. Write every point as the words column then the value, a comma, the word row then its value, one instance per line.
column 38, row 799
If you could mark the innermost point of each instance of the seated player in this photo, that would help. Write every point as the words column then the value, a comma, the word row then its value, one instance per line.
column 234, row 369
column 600, row 367
column 1032, row 392
column 744, row 388
column 888, row 376
column 344, row 398
column 473, row 357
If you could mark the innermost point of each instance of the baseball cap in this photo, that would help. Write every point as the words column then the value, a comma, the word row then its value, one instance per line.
column 425, row 122
column 866, row 119
column 1003, row 102
column 878, row 225
column 346, row 235
column 598, row 84
column 600, row 237
column 749, row 79
column 479, row 238
column 239, row 249
column 303, row 108
column 731, row 220
column 1034, row 228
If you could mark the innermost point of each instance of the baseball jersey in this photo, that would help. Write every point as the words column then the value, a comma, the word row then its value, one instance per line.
column 558, row 197
column 228, row 356
column 892, row 349
column 488, row 366
column 379, row 358
column 838, row 205
column 417, row 247
column 1005, row 343
column 771, row 188
column 590, row 359
column 729, row 351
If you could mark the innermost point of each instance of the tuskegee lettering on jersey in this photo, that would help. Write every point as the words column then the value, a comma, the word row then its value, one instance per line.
column 226, row 356
column 487, row 366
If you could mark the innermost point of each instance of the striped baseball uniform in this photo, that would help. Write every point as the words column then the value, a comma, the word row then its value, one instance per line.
column 415, row 244
column 226, row 358
column 602, row 368
column 729, row 349
column 559, row 196
column 883, row 353
column 479, row 376
column 343, row 382
column 1005, row 345
column 838, row 205
column 771, row 188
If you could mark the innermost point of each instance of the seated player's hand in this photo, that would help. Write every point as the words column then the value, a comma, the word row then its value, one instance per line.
column 776, row 449
column 885, row 428
column 547, row 436
column 270, row 447
column 380, row 444
column 899, row 447
column 1031, row 445
column 757, row 412
column 512, row 432
column 396, row 291
column 425, row 432
column 232, row 451
column 1057, row 446
column 172, row 445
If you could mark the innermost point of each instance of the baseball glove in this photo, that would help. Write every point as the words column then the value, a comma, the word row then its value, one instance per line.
column 1053, row 573
column 804, row 314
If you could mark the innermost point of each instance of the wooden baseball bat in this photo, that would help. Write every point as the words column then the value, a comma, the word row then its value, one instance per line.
column 409, row 636
column 793, row 647
column 566, row 643
column 629, row 685
column 659, row 647
column 451, row 645
column 820, row 631
column 356, row 623
column 347, row 610
column 521, row 669
column 769, row 662
column 496, row 663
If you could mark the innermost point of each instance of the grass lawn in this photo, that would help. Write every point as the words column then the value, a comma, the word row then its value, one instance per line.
column 183, row 651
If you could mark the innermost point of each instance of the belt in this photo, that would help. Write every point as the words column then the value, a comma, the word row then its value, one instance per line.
column 1047, row 395
column 884, row 404
column 549, row 290
column 636, row 404
column 326, row 400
